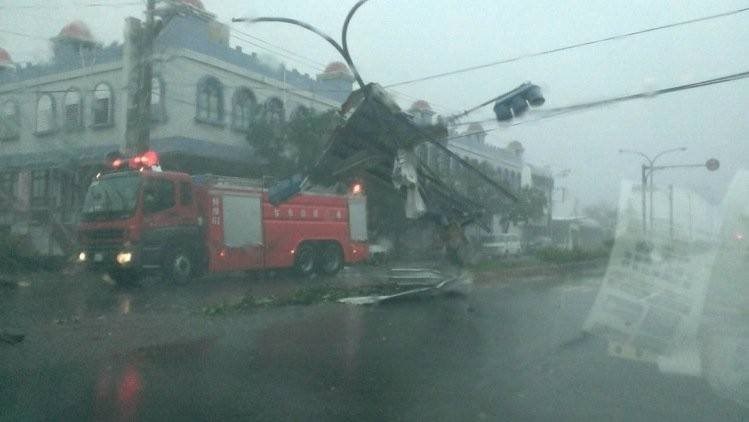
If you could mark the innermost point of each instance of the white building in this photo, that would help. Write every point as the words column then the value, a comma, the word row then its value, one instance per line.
column 59, row 119
column 471, row 144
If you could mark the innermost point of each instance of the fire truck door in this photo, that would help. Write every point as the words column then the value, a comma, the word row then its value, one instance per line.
column 243, row 231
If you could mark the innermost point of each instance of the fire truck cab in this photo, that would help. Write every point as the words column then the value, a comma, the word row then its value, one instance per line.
column 142, row 221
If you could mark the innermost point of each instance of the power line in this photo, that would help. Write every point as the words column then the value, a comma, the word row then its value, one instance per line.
column 72, row 5
column 569, row 47
column 557, row 111
column 21, row 34
column 317, row 64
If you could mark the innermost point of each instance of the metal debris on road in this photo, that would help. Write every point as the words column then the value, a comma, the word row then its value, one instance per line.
column 425, row 278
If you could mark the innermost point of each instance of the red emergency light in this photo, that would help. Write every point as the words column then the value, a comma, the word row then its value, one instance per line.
column 143, row 161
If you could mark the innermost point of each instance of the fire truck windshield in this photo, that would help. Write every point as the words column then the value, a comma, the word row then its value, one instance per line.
column 111, row 196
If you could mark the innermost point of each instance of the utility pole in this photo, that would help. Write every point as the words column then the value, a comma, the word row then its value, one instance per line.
column 642, row 188
column 138, row 76
column 671, row 211
column 145, row 140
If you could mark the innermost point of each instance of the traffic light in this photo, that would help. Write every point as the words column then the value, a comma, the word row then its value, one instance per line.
column 517, row 101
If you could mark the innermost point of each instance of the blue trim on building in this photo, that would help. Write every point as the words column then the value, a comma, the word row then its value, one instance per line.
column 57, row 158
column 96, row 154
column 204, row 149
column 64, row 63
column 193, row 33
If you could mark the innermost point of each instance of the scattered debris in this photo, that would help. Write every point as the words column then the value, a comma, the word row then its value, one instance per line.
column 414, row 276
column 9, row 338
column 447, row 285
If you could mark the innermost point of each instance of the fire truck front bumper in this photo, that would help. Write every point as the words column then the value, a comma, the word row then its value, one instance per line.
column 110, row 257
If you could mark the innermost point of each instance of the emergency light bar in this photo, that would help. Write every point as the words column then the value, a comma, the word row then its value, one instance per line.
column 146, row 160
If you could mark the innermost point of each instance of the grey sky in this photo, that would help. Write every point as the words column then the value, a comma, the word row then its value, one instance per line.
column 398, row 40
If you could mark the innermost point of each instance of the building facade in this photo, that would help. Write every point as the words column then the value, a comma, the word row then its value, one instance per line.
column 508, row 162
column 59, row 119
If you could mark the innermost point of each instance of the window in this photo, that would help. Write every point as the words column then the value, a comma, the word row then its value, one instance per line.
column 73, row 115
column 210, row 102
column 158, row 108
column 185, row 194
column 158, row 195
column 273, row 112
column 102, row 106
column 244, row 107
column 45, row 114
column 39, row 187
column 9, row 120
column 8, row 181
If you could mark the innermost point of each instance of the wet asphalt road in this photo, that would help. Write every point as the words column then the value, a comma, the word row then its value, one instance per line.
column 503, row 351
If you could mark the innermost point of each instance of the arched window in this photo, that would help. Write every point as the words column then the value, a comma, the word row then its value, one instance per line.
column 73, row 110
column 210, row 101
column 273, row 112
column 102, row 105
column 10, row 121
column 45, row 114
column 243, row 109
column 158, row 107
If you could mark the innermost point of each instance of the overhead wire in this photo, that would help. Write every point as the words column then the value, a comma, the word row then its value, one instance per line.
column 569, row 47
column 71, row 5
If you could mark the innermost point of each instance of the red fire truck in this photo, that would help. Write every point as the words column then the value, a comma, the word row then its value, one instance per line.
column 141, row 220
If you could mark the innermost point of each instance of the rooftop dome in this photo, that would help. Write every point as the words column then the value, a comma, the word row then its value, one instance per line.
column 194, row 3
column 475, row 128
column 421, row 105
column 515, row 145
column 76, row 30
column 336, row 67
column 5, row 60
column 336, row 70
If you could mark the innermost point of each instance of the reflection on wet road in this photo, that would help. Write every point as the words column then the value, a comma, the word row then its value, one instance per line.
column 503, row 352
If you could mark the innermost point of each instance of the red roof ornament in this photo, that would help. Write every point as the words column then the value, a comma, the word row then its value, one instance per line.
column 421, row 105
column 78, row 31
column 335, row 67
column 336, row 70
column 475, row 128
column 5, row 60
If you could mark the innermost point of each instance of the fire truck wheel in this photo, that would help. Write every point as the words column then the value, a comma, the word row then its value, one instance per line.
column 304, row 263
column 179, row 266
column 330, row 260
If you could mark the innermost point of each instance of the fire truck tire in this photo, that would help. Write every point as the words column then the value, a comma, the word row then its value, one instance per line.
column 304, row 263
column 330, row 259
column 179, row 266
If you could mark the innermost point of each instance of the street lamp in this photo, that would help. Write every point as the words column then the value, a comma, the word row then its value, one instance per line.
column 649, row 167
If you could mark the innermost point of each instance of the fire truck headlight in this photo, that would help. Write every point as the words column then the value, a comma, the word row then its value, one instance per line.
column 124, row 258
column 82, row 257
